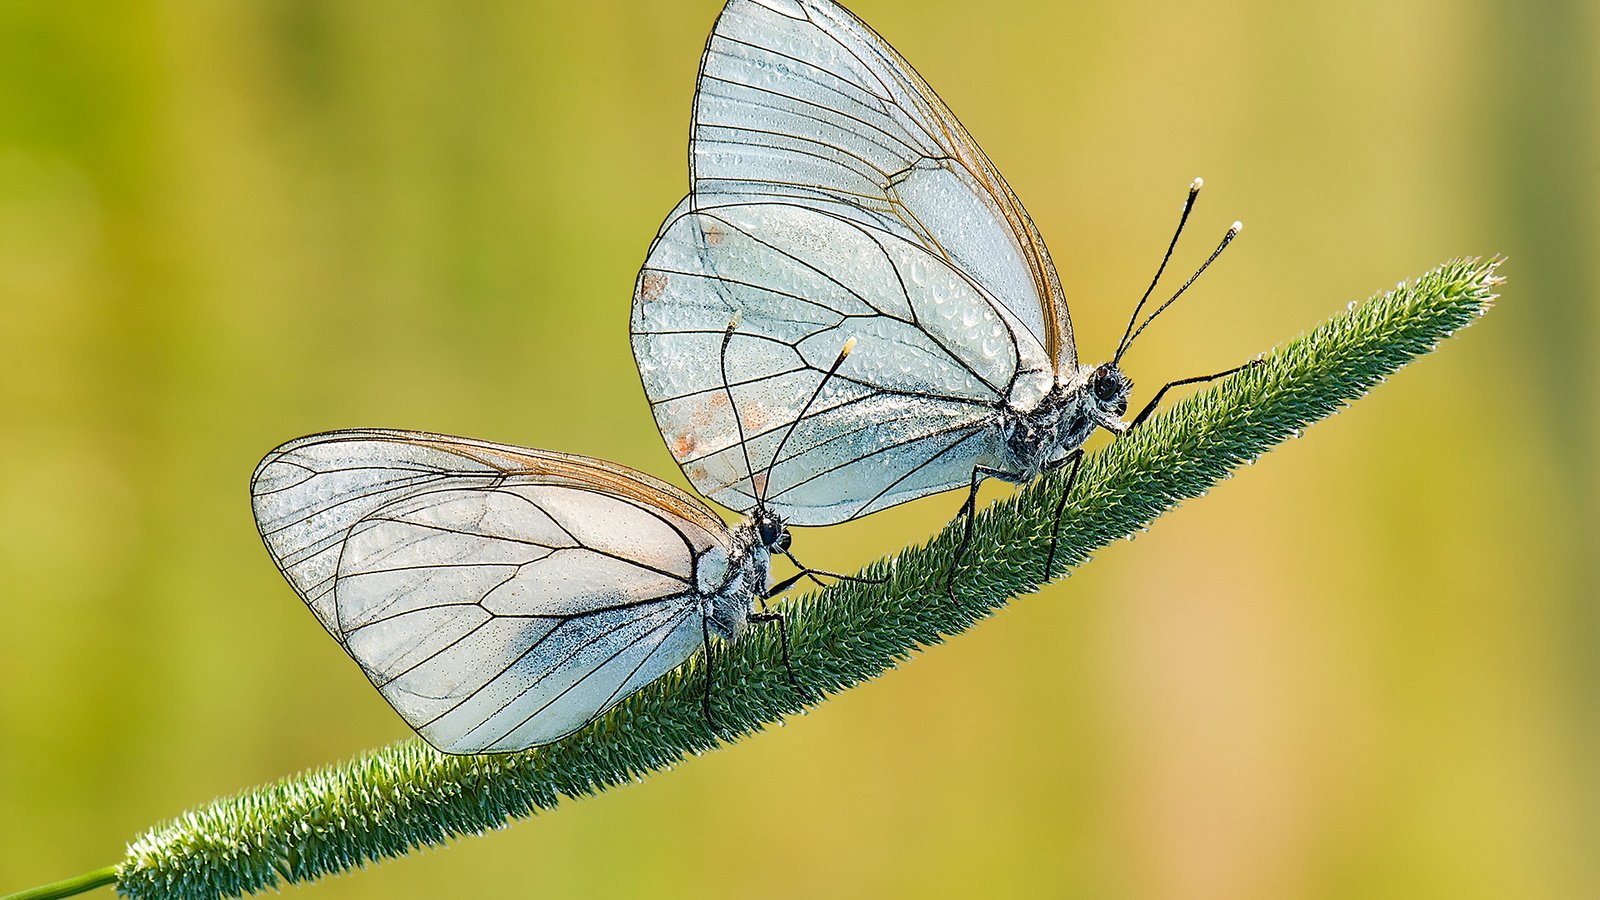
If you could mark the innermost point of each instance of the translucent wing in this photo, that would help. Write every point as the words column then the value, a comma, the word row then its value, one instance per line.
column 800, row 101
column 498, row 597
column 907, row 414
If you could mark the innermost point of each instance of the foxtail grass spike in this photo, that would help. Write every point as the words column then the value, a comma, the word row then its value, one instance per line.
column 389, row 801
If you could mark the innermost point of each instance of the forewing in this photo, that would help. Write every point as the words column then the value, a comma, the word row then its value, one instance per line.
column 800, row 101
column 307, row 493
column 908, row 412
column 497, row 597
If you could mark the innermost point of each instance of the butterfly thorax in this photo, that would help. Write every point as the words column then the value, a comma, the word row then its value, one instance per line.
column 728, row 586
column 1037, row 439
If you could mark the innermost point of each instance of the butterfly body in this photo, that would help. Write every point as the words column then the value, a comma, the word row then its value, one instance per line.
column 727, row 590
column 1042, row 437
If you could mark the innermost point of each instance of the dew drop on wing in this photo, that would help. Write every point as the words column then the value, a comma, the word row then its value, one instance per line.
column 916, row 273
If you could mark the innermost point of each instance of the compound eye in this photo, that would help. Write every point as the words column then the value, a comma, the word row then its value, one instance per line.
column 1105, row 388
column 771, row 532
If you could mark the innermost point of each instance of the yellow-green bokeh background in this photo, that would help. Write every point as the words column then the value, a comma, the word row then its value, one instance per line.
column 1363, row 668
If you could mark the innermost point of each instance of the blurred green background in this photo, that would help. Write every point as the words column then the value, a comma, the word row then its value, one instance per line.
column 1365, row 667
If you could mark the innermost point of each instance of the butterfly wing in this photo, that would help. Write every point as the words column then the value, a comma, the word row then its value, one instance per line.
column 498, row 597
column 907, row 414
column 801, row 102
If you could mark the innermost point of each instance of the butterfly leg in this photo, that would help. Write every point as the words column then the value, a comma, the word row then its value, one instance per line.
column 784, row 585
column 968, row 510
column 767, row 618
column 1198, row 379
column 705, row 698
column 1075, row 459
column 816, row 575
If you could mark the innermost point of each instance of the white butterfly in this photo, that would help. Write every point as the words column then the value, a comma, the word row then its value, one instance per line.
column 834, row 197
column 500, row 597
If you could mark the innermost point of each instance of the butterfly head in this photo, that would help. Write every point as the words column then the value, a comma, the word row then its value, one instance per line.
column 1108, row 391
column 771, row 531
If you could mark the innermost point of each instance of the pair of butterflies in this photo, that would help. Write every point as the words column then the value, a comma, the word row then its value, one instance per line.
column 501, row 597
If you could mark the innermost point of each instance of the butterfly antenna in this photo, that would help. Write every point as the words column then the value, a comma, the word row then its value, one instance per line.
column 778, row 454
column 1188, row 207
column 1233, row 232
column 744, row 448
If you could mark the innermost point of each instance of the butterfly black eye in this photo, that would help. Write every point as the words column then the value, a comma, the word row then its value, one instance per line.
column 772, row 533
column 1105, row 386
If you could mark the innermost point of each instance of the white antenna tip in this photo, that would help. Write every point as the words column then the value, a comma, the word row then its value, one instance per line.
column 1197, row 184
column 848, row 346
column 734, row 322
column 1236, row 228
